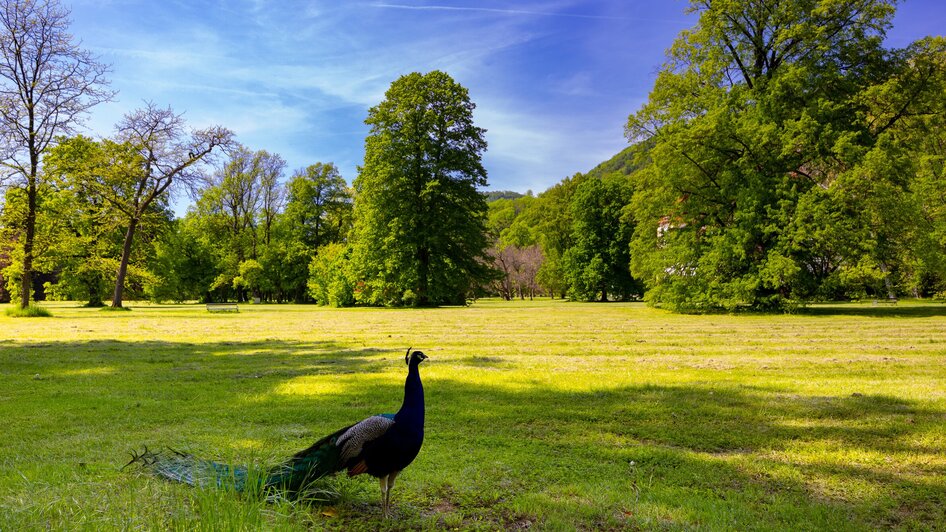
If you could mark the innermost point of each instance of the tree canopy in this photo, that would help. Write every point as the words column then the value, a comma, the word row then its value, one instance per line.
column 779, row 171
column 420, row 233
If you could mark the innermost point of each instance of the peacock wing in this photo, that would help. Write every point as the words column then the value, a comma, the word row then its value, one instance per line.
column 353, row 440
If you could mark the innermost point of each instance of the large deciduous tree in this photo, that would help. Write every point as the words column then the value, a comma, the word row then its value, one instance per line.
column 169, row 155
column 47, row 83
column 597, row 265
column 420, row 234
column 772, row 124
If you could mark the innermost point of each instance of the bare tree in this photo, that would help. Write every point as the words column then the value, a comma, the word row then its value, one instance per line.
column 47, row 84
column 531, row 260
column 519, row 268
column 169, row 156
column 503, row 260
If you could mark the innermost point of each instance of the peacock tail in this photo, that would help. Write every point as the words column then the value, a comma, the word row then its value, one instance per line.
column 182, row 467
column 321, row 459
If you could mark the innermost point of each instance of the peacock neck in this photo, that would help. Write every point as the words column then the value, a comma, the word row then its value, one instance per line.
column 412, row 410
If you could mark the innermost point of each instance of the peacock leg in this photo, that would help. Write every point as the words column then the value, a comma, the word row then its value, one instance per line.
column 391, row 478
column 384, row 495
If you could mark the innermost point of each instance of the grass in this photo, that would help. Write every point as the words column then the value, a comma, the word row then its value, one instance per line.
column 545, row 415
column 31, row 311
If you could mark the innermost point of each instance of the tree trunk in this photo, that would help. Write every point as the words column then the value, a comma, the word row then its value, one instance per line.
column 891, row 293
column 123, row 267
column 26, row 286
column 423, row 280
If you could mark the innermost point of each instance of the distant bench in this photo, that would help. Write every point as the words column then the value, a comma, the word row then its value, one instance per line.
column 889, row 301
column 223, row 307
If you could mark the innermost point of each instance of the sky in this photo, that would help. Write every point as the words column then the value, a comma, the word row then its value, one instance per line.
column 553, row 80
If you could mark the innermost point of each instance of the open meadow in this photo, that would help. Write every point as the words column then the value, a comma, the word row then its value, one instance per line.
column 546, row 415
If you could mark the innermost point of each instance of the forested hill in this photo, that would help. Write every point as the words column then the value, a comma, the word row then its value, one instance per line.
column 493, row 195
column 625, row 161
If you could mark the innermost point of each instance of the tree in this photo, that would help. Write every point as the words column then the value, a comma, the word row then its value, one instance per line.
column 319, row 205
column 240, row 212
column 184, row 267
column 553, row 221
column 84, row 251
column 246, row 196
column 153, row 152
column 759, row 106
column 598, row 263
column 13, row 217
column 90, row 180
column 269, row 167
column 420, row 233
column 47, row 84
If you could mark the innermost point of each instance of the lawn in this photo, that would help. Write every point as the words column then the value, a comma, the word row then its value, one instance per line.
column 546, row 415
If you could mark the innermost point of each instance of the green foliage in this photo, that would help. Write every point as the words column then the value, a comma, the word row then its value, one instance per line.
column 783, row 164
column 319, row 206
column 251, row 277
column 183, row 266
column 494, row 195
column 86, row 279
column 90, row 221
column 420, row 223
column 57, row 245
column 240, row 225
column 597, row 265
column 330, row 276
column 285, row 264
column 784, row 156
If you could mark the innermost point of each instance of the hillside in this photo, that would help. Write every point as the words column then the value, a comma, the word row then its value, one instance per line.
column 624, row 161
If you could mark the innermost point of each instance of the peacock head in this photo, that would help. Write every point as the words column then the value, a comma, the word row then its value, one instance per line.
column 414, row 358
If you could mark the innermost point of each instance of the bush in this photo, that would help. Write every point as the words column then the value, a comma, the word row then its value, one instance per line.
column 329, row 277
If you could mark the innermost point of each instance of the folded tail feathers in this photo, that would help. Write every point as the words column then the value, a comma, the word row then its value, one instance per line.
column 188, row 469
column 319, row 460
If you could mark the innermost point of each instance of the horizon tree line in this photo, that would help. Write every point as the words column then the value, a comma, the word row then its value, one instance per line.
column 784, row 156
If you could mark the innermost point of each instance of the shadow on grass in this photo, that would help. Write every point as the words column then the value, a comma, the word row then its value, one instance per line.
column 882, row 310
column 722, row 457
column 705, row 456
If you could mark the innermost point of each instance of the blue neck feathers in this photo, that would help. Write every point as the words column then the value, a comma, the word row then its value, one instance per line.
column 412, row 410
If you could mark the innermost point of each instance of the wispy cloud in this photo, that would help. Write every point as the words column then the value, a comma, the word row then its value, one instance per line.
column 297, row 77
column 487, row 10
column 504, row 11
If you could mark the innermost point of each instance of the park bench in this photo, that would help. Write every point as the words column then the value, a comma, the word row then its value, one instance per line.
column 891, row 301
column 223, row 307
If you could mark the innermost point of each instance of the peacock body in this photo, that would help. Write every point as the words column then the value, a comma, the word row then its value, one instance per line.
column 381, row 446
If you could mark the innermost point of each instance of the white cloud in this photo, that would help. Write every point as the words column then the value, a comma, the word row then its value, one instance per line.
column 298, row 77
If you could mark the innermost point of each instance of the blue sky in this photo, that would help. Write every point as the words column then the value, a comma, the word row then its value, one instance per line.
column 553, row 80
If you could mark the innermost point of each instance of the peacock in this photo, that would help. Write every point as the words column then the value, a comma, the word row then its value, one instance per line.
column 381, row 446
